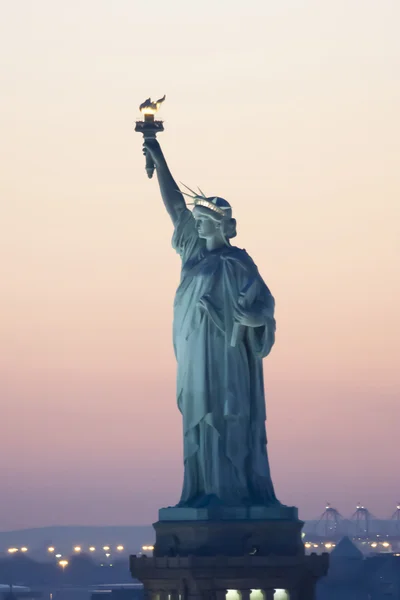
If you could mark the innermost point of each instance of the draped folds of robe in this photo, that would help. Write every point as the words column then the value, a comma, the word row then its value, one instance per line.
column 220, row 390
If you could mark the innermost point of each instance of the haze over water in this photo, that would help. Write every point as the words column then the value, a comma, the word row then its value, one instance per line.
column 290, row 110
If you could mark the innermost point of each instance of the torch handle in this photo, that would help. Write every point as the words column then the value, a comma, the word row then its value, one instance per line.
column 150, row 166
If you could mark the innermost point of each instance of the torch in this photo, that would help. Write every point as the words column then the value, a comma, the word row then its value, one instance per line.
column 149, row 127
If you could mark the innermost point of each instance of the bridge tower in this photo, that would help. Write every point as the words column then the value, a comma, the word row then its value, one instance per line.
column 362, row 521
column 331, row 523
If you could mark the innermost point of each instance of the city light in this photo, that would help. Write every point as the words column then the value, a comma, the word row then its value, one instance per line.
column 307, row 545
column 374, row 545
column 63, row 563
column 24, row 549
column 150, row 548
column 328, row 545
column 385, row 544
column 120, row 548
column 77, row 549
column 92, row 549
column 106, row 547
column 108, row 554
column 58, row 555
column 50, row 549
column 12, row 550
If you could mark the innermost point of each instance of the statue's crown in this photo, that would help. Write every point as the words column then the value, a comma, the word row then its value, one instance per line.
column 213, row 203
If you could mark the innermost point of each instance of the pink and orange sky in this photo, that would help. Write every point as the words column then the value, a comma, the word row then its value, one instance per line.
column 288, row 109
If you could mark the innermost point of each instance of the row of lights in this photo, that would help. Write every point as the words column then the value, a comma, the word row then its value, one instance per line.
column 329, row 545
column 78, row 549
column 64, row 563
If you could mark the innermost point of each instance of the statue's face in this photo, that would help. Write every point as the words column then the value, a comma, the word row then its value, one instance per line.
column 206, row 226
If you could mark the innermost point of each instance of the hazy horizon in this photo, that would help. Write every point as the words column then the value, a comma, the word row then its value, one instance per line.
column 292, row 114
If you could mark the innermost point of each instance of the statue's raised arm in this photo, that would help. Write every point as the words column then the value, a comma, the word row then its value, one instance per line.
column 172, row 197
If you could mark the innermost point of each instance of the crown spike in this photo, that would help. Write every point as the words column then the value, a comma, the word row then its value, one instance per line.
column 190, row 190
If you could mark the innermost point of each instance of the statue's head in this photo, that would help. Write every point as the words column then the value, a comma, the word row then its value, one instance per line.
column 213, row 217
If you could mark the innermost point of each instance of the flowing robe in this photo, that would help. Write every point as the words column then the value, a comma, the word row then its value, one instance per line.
column 220, row 390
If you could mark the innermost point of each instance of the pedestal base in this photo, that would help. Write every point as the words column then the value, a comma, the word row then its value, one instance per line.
column 203, row 559
column 212, row 536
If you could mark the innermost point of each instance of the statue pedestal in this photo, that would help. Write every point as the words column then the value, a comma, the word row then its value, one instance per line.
column 200, row 554
column 229, row 513
column 231, row 531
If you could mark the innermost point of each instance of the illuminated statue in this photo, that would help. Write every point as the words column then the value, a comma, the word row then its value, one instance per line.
column 223, row 327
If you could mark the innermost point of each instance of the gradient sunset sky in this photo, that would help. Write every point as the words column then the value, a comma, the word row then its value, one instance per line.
column 290, row 110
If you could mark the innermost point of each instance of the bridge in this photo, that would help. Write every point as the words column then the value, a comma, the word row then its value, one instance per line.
column 369, row 532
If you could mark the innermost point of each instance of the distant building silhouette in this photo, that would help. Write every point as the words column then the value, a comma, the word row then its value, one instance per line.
column 351, row 576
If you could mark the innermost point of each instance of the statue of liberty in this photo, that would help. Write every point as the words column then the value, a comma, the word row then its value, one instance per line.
column 223, row 327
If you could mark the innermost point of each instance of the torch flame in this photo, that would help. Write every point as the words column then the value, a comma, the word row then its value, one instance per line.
column 150, row 108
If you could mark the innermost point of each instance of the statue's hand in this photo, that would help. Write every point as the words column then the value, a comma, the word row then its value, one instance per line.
column 249, row 318
column 153, row 148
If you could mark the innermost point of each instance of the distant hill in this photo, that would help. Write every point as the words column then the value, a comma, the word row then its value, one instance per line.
column 132, row 537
